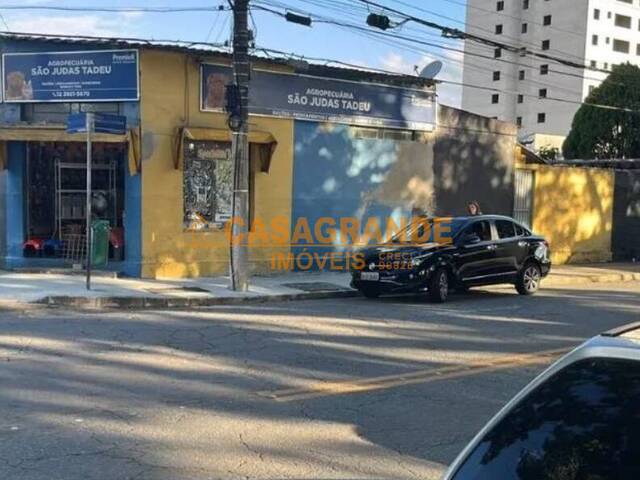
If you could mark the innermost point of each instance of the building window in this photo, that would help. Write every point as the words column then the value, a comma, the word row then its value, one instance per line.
column 621, row 46
column 596, row 14
column 542, row 117
column 207, row 184
column 607, row 40
column 608, row 14
column 638, row 49
column 519, row 121
column 546, row 20
column 544, row 69
column 594, row 64
column 496, row 76
column 594, row 39
column 546, row 44
column 497, row 53
column 520, row 98
column 521, row 75
column 498, row 29
column 622, row 21
column 525, row 27
column 542, row 93
column 525, row 4
column 500, row 6
column 495, row 98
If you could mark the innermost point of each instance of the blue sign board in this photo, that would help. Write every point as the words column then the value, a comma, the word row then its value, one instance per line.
column 91, row 76
column 304, row 97
column 102, row 123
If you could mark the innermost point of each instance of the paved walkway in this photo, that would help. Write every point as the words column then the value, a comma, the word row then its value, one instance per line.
column 69, row 289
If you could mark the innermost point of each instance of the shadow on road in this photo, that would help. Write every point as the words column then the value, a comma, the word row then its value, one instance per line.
column 115, row 384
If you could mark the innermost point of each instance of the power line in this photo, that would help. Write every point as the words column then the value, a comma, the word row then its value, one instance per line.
column 4, row 22
column 258, row 5
column 456, row 33
column 468, row 24
column 327, row 61
column 138, row 40
column 115, row 9
column 533, row 22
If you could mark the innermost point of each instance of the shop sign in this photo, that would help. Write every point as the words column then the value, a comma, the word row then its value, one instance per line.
column 318, row 99
column 90, row 76
column 102, row 123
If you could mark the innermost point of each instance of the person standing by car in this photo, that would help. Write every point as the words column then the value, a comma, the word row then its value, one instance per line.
column 473, row 208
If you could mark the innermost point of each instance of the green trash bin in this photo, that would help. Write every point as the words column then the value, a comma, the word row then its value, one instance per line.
column 100, row 230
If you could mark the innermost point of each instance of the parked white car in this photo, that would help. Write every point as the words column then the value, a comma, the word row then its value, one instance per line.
column 578, row 420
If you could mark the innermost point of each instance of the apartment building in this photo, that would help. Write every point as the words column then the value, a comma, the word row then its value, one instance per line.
column 541, row 96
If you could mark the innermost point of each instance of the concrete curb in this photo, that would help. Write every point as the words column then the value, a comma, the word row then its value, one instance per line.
column 603, row 278
column 159, row 303
column 139, row 303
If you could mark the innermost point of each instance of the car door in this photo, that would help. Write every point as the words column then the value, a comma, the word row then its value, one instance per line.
column 508, row 247
column 475, row 260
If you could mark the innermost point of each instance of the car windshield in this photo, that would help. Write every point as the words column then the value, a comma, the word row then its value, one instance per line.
column 426, row 230
column 582, row 423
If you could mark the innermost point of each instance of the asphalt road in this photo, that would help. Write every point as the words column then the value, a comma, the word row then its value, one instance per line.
column 349, row 388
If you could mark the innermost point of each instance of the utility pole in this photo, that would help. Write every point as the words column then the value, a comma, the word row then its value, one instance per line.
column 239, row 250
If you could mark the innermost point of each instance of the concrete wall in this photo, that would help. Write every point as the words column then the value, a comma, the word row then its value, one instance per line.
column 473, row 160
column 573, row 210
column 626, row 216
column 170, row 99
column 339, row 176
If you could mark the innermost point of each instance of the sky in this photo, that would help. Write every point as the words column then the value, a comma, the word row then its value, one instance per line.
column 324, row 40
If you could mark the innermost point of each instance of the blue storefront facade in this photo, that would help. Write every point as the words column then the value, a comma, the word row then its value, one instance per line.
column 33, row 116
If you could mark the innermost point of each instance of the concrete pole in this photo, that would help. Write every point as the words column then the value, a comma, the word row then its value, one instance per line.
column 239, row 251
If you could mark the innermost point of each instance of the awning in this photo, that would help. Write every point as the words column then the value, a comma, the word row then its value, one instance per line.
column 262, row 145
column 42, row 134
column 59, row 134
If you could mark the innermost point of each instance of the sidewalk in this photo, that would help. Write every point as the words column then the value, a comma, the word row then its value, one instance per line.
column 60, row 289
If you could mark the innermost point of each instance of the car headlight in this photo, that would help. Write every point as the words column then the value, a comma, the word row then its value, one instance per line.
column 417, row 261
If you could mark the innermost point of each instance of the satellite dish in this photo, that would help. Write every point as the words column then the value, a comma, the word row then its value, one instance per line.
column 431, row 70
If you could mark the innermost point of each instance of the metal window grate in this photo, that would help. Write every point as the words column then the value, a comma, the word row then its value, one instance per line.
column 523, row 202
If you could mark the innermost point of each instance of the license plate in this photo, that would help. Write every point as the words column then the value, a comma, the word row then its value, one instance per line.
column 370, row 276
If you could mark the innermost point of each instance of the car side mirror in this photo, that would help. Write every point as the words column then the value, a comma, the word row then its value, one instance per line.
column 471, row 239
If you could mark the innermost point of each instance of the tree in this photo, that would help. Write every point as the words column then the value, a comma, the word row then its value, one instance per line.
column 606, row 133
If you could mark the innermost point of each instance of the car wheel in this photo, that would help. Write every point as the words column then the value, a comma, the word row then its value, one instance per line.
column 370, row 292
column 439, row 286
column 528, row 280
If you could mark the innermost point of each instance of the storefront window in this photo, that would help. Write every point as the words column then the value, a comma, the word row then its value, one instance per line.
column 208, row 177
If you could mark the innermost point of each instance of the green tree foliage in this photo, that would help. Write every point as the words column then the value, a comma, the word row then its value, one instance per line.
column 603, row 133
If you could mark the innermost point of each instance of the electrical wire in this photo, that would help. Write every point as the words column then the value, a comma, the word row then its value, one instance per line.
column 114, row 9
column 4, row 22
column 259, row 4
column 468, row 24
column 328, row 61
column 456, row 33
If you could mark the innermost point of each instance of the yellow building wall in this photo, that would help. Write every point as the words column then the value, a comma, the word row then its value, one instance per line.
column 573, row 210
column 170, row 96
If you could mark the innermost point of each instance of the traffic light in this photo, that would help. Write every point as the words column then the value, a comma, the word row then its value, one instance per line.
column 378, row 21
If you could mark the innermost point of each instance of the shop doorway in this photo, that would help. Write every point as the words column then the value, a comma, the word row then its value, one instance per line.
column 56, row 198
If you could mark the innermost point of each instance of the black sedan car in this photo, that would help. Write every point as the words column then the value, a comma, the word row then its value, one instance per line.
column 479, row 250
